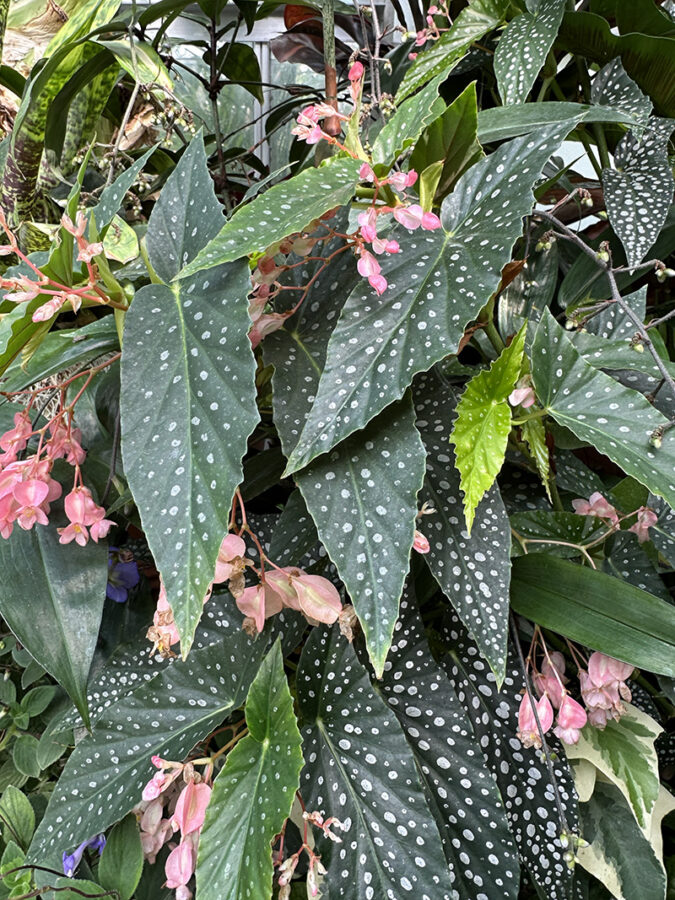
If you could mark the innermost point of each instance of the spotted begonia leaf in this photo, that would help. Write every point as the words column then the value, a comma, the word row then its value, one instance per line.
column 188, row 407
column 253, row 793
column 473, row 571
column 615, row 420
column 284, row 209
column 441, row 57
column 663, row 532
column 523, row 47
column 407, row 123
column 360, row 769
column 544, row 527
column 639, row 192
column 363, row 497
column 437, row 284
column 628, row 561
column 498, row 123
column 53, row 603
column 482, row 425
column 104, row 776
column 462, row 794
column 521, row 774
column 613, row 87
column 113, row 195
column 294, row 533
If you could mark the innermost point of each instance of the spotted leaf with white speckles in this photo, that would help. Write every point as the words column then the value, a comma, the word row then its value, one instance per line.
column 359, row 768
column 520, row 773
column 437, row 285
column 615, row 420
column 363, row 497
column 474, row 570
column 105, row 774
column 523, row 47
column 253, row 793
column 462, row 794
column 404, row 128
column 639, row 192
column 282, row 210
column 613, row 87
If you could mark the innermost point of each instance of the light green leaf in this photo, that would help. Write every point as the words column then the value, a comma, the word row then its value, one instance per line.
column 481, row 429
column 624, row 752
column 474, row 570
column 253, row 793
column 441, row 57
column 407, row 123
column 53, row 603
column 282, row 210
column 143, row 63
column 523, row 47
column 363, row 498
column 188, row 393
column 615, row 420
column 619, row 855
column 122, row 859
column 17, row 819
column 639, row 192
column 112, row 196
column 25, row 755
column 596, row 610
column 436, row 286
column 120, row 242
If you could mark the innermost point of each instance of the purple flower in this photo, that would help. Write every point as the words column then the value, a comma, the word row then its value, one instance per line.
column 122, row 575
column 72, row 860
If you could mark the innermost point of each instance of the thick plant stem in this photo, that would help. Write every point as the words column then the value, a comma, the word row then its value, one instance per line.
column 331, row 125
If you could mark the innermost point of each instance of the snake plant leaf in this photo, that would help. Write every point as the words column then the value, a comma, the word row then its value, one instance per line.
column 436, row 286
column 253, row 793
column 523, row 47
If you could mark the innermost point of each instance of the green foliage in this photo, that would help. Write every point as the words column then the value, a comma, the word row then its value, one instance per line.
column 122, row 859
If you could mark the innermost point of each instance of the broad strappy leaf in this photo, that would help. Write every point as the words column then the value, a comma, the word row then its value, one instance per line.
column 521, row 774
column 482, row 425
column 617, row 421
column 501, row 122
column 360, row 769
column 596, row 610
column 282, row 210
column 407, row 123
column 363, row 497
column 188, row 396
column 437, row 284
column 53, row 600
column 639, row 192
column 104, row 777
column 523, row 47
column 253, row 793
column 462, row 794
column 441, row 57
column 473, row 571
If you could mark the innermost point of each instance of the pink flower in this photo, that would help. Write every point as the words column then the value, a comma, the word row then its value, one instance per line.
column 152, row 816
column 571, row 718
column 413, row 217
column 603, row 687
column 73, row 532
column 522, row 396
column 378, row 283
column 49, row 309
column 191, row 808
column 551, row 679
column 78, row 229
column 401, row 180
column 596, row 505
column 29, row 496
column 16, row 438
column 368, row 222
column 356, row 72
column 163, row 631
column 259, row 603
column 318, row 599
column 421, row 544
column 368, row 265
column 527, row 725
column 380, row 246
column 311, row 134
column 366, row 173
column 81, row 508
column 430, row 221
column 266, row 324
column 89, row 251
column 645, row 519
column 65, row 441
column 231, row 547
column 180, row 865
column 100, row 529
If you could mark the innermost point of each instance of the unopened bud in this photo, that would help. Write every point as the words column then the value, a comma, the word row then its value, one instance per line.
column 587, row 202
column 656, row 437
column 603, row 255
column 569, row 858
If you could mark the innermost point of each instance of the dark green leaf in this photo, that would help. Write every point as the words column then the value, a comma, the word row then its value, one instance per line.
column 407, row 123
column 122, row 859
column 253, row 793
column 53, row 603
column 523, row 47
column 612, row 87
column 596, row 610
column 439, row 283
column 365, row 775
column 539, row 531
column 295, row 532
column 500, row 122
column 472, row 571
column 38, row 699
column 25, row 755
column 241, row 66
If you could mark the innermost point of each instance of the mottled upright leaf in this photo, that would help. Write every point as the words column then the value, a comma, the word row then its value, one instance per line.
column 523, row 48
column 436, row 286
column 613, row 87
column 253, row 793
column 615, row 420
column 639, row 192
column 360, row 768
column 473, row 571
column 363, row 497
column 52, row 598
column 483, row 423
column 461, row 792
column 282, row 210
column 405, row 126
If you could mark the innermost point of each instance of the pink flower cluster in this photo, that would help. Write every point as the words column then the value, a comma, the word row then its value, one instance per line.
column 598, row 506
column 315, row 867
column 432, row 32
column 174, row 800
column 523, row 393
column 602, row 689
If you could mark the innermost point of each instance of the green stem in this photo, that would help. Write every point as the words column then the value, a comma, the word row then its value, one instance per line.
column 601, row 142
column 490, row 328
